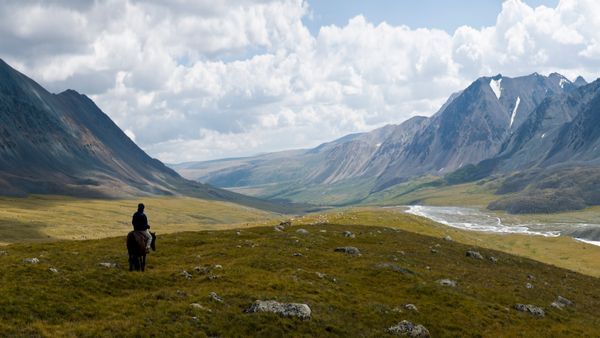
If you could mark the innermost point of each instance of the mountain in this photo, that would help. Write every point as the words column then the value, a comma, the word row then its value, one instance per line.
column 473, row 125
column 64, row 144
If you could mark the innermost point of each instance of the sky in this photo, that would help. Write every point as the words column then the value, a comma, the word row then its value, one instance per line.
column 200, row 80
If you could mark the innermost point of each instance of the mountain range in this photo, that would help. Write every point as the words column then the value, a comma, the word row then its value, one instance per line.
column 531, row 125
column 64, row 144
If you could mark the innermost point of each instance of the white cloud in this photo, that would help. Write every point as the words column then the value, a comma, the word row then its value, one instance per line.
column 205, row 79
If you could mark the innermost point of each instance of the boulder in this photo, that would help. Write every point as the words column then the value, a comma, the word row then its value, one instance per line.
column 350, row 250
column 448, row 238
column 561, row 302
column 301, row 311
column 407, row 328
column 474, row 254
column 447, row 282
column 349, row 234
column 108, row 265
column 531, row 309
column 213, row 296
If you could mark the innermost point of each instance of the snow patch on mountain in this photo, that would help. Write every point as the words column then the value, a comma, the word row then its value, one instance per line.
column 514, row 112
column 496, row 86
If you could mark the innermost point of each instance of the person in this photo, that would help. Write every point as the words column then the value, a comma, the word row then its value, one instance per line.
column 140, row 223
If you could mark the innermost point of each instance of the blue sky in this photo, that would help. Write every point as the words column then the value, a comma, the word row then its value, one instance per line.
column 440, row 14
column 206, row 79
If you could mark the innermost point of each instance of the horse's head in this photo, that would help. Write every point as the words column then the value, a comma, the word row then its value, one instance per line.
column 153, row 243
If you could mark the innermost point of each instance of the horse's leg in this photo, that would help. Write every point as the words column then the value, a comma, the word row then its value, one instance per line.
column 130, row 262
column 143, row 263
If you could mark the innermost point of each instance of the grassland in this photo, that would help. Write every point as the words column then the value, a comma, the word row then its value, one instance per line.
column 47, row 218
column 356, row 296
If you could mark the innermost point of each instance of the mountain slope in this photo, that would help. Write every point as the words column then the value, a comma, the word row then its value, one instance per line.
column 64, row 144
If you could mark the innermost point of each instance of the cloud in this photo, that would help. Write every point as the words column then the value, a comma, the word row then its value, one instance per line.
column 204, row 79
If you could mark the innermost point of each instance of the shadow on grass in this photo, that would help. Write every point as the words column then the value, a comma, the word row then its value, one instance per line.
column 14, row 231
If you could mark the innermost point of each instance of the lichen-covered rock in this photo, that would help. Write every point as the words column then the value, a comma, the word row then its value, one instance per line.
column 474, row 254
column 407, row 328
column 531, row 309
column 301, row 311
column 350, row 250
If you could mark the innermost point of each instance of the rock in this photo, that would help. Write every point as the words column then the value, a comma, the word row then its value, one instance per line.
column 531, row 309
column 218, row 266
column 278, row 228
column 213, row 296
column 406, row 328
column 200, row 307
column 3, row 253
column 323, row 230
column 202, row 269
column 493, row 259
column 529, row 286
column 350, row 250
column 349, row 234
column 297, row 254
column 181, row 294
column 287, row 223
column 474, row 254
column 320, row 274
column 302, row 231
column 53, row 270
column 411, row 307
column 238, row 233
column 284, row 309
column 395, row 267
column 448, row 238
column 447, row 282
column 108, row 265
column 434, row 251
column 561, row 302
column 33, row 260
column 186, row 274
column 531, row 277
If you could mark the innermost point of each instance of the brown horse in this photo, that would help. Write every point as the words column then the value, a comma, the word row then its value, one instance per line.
column 136, row 247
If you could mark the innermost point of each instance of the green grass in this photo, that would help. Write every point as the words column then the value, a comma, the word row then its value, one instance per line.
column 47, row 218
column 356, row 298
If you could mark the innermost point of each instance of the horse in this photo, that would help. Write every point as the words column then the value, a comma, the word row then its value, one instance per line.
column 136, row 247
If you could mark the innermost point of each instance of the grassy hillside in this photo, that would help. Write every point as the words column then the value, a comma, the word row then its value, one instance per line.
column 44, row 218
column 348, row 295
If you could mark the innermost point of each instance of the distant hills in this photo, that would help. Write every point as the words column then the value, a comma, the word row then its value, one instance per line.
column 497, row 126
column 64, row 144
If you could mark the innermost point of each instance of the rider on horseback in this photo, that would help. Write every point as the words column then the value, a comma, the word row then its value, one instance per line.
column 140, row 223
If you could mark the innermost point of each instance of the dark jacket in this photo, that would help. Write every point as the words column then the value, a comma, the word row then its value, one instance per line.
column 139, row 221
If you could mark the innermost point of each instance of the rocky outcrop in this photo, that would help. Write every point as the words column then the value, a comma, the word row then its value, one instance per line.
column 350, row 250
column 531, row 309
column 407, row 328
column 301, row 311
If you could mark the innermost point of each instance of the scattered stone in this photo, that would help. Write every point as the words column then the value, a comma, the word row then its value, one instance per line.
column 186, row 274
column 218, row 267
column 447, row 282
column 321, row 275
column 53, row 270
column 297, row 254
column 108, row 265
column 287, row 223
column 529, row 286
column 350, row 250
column 532, row 277
column 395, row 267
column 474, row 254
column 3, row 253
column 302, row 231
column 213, row 277
column 493, row 259
column 213, row 296
column 33, row 260
column 238, row 233
column 531, row 309
column 349, row 234
column 323, row 230
column 195, row 319
column 181, row 294
column 199, row 307
column 448, row 238
column 411, row 307
column 279, row 228
column 428, row 267
column 434, row 251
column 406, row 328
column 284, row 309
column 561, row 302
